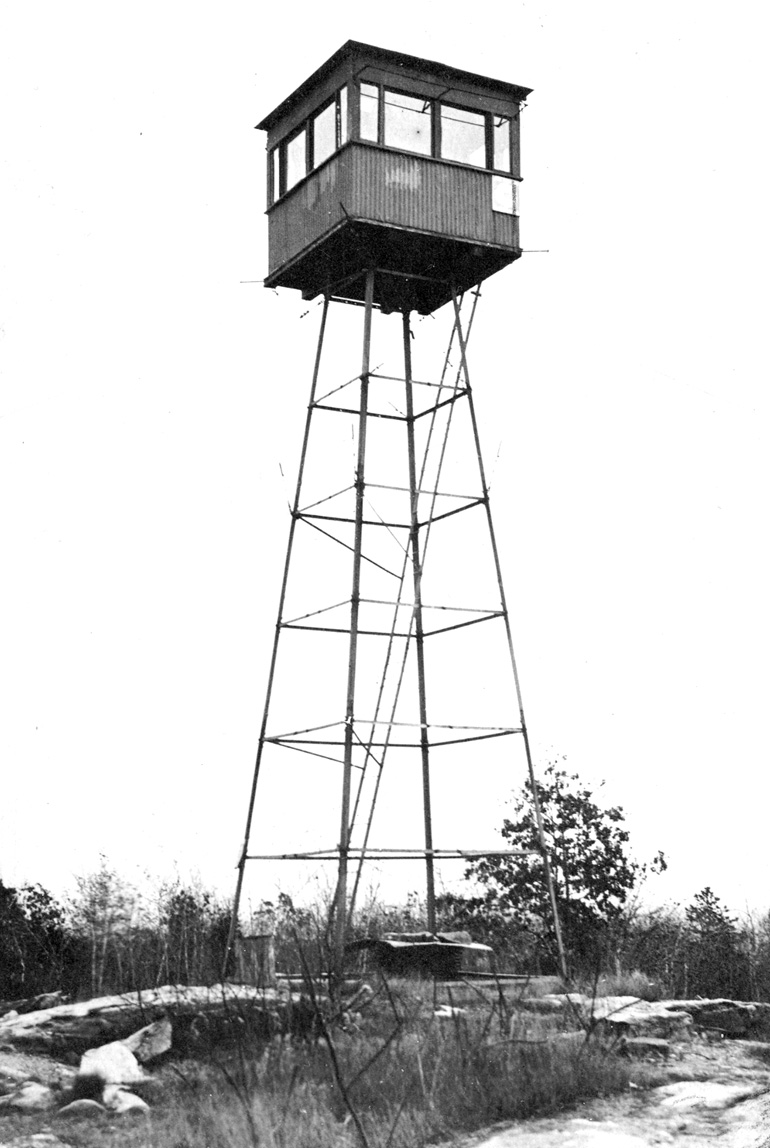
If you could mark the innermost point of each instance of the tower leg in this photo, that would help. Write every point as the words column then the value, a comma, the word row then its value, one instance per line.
column 343, row 740
column 414, row 546
column 340, row 914
column 509, row 637
column 271, row 673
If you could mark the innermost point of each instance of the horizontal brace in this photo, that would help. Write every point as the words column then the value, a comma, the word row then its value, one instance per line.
column 346, row 630
column 410, row 275
column 327, row 498
column 315, row 613
column 401, row 379
column 394, row 854
column 425, row 606
column 351, row 411
column 406, row 490
column 448, row 513
column 461, row 625
column 444, row 402
column 335, row 390
column 364, row 521
column 369, row 745
column 430, row 725
column 354, row 302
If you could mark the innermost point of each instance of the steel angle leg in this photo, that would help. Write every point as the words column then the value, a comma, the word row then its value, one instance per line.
column 340, row 906
column 414, row 546
column 271, row 674
column 507, row 621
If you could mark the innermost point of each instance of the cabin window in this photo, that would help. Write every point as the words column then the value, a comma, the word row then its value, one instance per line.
column 505, row 195
column 463, row 136
column 408, row 121
column 324, row 133
column 295, row 159
column 370, row 112
column 501, row 140
column 342, row 116
column 275, row 174
column 431, row 127
column 317, row 140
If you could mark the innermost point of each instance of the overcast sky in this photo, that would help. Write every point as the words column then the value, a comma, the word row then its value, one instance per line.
column 152, row 394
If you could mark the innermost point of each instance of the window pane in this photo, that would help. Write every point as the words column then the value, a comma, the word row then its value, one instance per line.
column 407, row 123
column 275, row 174
column 463, row 136
column 343, row 111
column 295, row 159
column 370, row 103
column 325, row 133
column 505, row 195
column 502, row 138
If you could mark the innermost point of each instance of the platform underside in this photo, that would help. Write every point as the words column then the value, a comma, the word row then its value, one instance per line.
column 417, row 271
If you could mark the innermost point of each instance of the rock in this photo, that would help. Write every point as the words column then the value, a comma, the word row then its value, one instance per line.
column 11, row 1078
column 736, row 1020
column 644, row 1046
column 705, row 1094
column 448, row 1012
column 36, row 1140
column 30, row 1097
column 112, row 1064
column 547, row 1004
column 82, row 1108
column 632, row 1017
column 151, row 1041
column 124, row 1103
column 9, row 1010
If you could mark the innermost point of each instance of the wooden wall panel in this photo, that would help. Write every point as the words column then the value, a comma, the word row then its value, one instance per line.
column 309, row 210
column 388, row 187
column 416, row 192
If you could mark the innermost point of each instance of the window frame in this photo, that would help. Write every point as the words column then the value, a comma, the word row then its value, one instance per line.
column 436, row 104
column 277, row 161
column 485, row 127
column 347, row 127
column 311, row 122
column 431, row 108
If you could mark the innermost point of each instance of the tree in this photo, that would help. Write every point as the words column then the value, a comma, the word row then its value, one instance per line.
column 592, row 871
column 101, row 914
column 33, row 942
column 717, row 958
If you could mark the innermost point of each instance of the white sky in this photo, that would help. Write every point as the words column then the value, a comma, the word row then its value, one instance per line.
column 149, row 395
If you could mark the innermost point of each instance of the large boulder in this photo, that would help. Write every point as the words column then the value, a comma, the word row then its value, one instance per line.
column 626, row 1016
column 78, row 1109
column 151, row 1041
column 30, row 1097
column 110, row 1064
column 124, row 1103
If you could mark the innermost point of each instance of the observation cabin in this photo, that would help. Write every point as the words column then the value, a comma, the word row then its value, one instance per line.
column 381, row 161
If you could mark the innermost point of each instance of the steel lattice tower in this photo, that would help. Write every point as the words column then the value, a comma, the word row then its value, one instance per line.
column 392, row 195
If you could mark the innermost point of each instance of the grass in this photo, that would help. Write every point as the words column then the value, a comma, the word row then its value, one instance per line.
column 397, row 1076
column 624, row 984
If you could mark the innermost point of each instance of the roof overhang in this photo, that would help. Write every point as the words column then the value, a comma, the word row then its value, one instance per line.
column 443, row 73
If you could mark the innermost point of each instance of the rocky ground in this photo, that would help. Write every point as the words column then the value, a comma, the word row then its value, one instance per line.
column 704, row 1090
column 704, row 1068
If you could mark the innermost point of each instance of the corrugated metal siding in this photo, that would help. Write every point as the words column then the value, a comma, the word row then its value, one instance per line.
column 420, row 193
column 387, row 187
column 308, row 211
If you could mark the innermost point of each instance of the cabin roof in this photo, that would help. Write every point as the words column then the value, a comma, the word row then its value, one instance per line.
column 376, row 55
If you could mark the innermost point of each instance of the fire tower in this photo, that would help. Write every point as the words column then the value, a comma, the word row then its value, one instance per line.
column 392, row 194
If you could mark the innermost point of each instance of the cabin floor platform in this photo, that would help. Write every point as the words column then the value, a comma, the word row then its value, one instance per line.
column 417, row 271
